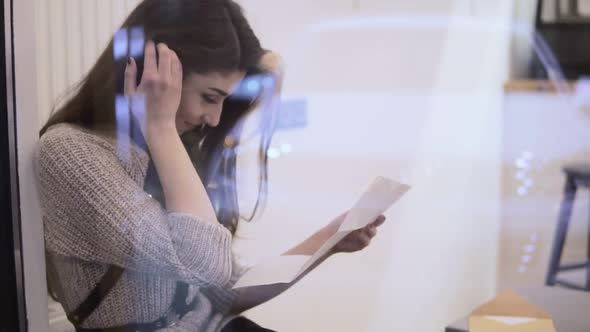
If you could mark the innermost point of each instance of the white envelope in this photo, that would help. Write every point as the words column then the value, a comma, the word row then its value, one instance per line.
column 509, row 312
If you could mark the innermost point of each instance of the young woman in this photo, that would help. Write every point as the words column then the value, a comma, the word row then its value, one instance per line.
column 137, row 174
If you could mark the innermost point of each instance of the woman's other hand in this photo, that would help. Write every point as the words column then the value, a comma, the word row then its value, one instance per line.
column 155, row 101
column 358, row 239
column 271, row 62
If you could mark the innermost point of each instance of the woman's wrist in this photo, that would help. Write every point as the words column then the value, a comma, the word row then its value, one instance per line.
column 155, row 130
column 159, row 126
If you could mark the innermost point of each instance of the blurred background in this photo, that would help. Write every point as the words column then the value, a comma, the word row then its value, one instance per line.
column 474, row 103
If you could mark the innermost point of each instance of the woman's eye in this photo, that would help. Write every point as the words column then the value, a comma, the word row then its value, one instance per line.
column 209, row 99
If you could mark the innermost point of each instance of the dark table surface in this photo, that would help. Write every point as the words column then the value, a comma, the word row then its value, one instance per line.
column 569, row 309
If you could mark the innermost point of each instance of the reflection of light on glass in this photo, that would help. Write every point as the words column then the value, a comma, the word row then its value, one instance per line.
column 138, row 106
column 520, row 175
column 529, row 248
column 522, row 191
column 529, row 182
column 120, row 44
column 527, row 155
column 123, row 123
column 238, row 150
column 268, row 82
column 137, row 41
column 252, row 86
column 123, row 119
column 228, row 142
column 286, row 148
column 526, row 258
column 522, row 269
column 521, row 163
column 273, row 153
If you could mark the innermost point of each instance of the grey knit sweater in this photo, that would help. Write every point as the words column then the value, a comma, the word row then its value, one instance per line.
column 96, row 213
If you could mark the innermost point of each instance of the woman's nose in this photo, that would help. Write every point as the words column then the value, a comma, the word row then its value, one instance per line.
column 212, row 120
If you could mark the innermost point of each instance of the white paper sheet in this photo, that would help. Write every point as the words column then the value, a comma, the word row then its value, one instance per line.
column 281, row 269
column 381, row 194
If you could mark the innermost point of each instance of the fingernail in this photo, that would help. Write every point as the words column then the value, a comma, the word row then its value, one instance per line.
column 128, row 60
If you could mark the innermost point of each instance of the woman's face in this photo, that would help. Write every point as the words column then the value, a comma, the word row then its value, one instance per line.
column 202, row 98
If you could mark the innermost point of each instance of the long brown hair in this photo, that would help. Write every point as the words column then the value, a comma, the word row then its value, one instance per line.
column 208, row 36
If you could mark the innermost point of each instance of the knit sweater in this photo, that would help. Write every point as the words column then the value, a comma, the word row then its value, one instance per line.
column 96, row 214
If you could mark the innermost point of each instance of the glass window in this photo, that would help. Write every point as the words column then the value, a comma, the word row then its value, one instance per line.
column 197, row 158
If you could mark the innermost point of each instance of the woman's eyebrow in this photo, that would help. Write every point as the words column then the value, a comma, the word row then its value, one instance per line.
column 219, row 91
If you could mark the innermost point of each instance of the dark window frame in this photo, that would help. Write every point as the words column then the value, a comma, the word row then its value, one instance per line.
column 12, row 300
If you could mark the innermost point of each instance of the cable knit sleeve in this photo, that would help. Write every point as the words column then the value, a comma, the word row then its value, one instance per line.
column 224, row 297
column 93, row 210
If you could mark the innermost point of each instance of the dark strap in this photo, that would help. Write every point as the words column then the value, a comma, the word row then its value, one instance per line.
column 166, row 321
column 177, row 310
column 97, row 295
column 179, row 305
column 134, row 327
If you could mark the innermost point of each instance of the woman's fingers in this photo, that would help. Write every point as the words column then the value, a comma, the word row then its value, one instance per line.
column 371, row 231
column 130, row 84
column 164, row 61
column 176, row 68
column 159, row 93
column 379, row 221
column 150, row 66
column 272, row 62
column 364, row 239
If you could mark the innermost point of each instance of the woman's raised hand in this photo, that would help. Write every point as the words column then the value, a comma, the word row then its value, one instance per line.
column 155, row 101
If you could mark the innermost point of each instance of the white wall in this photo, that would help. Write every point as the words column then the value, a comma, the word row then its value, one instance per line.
column 70, row 36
